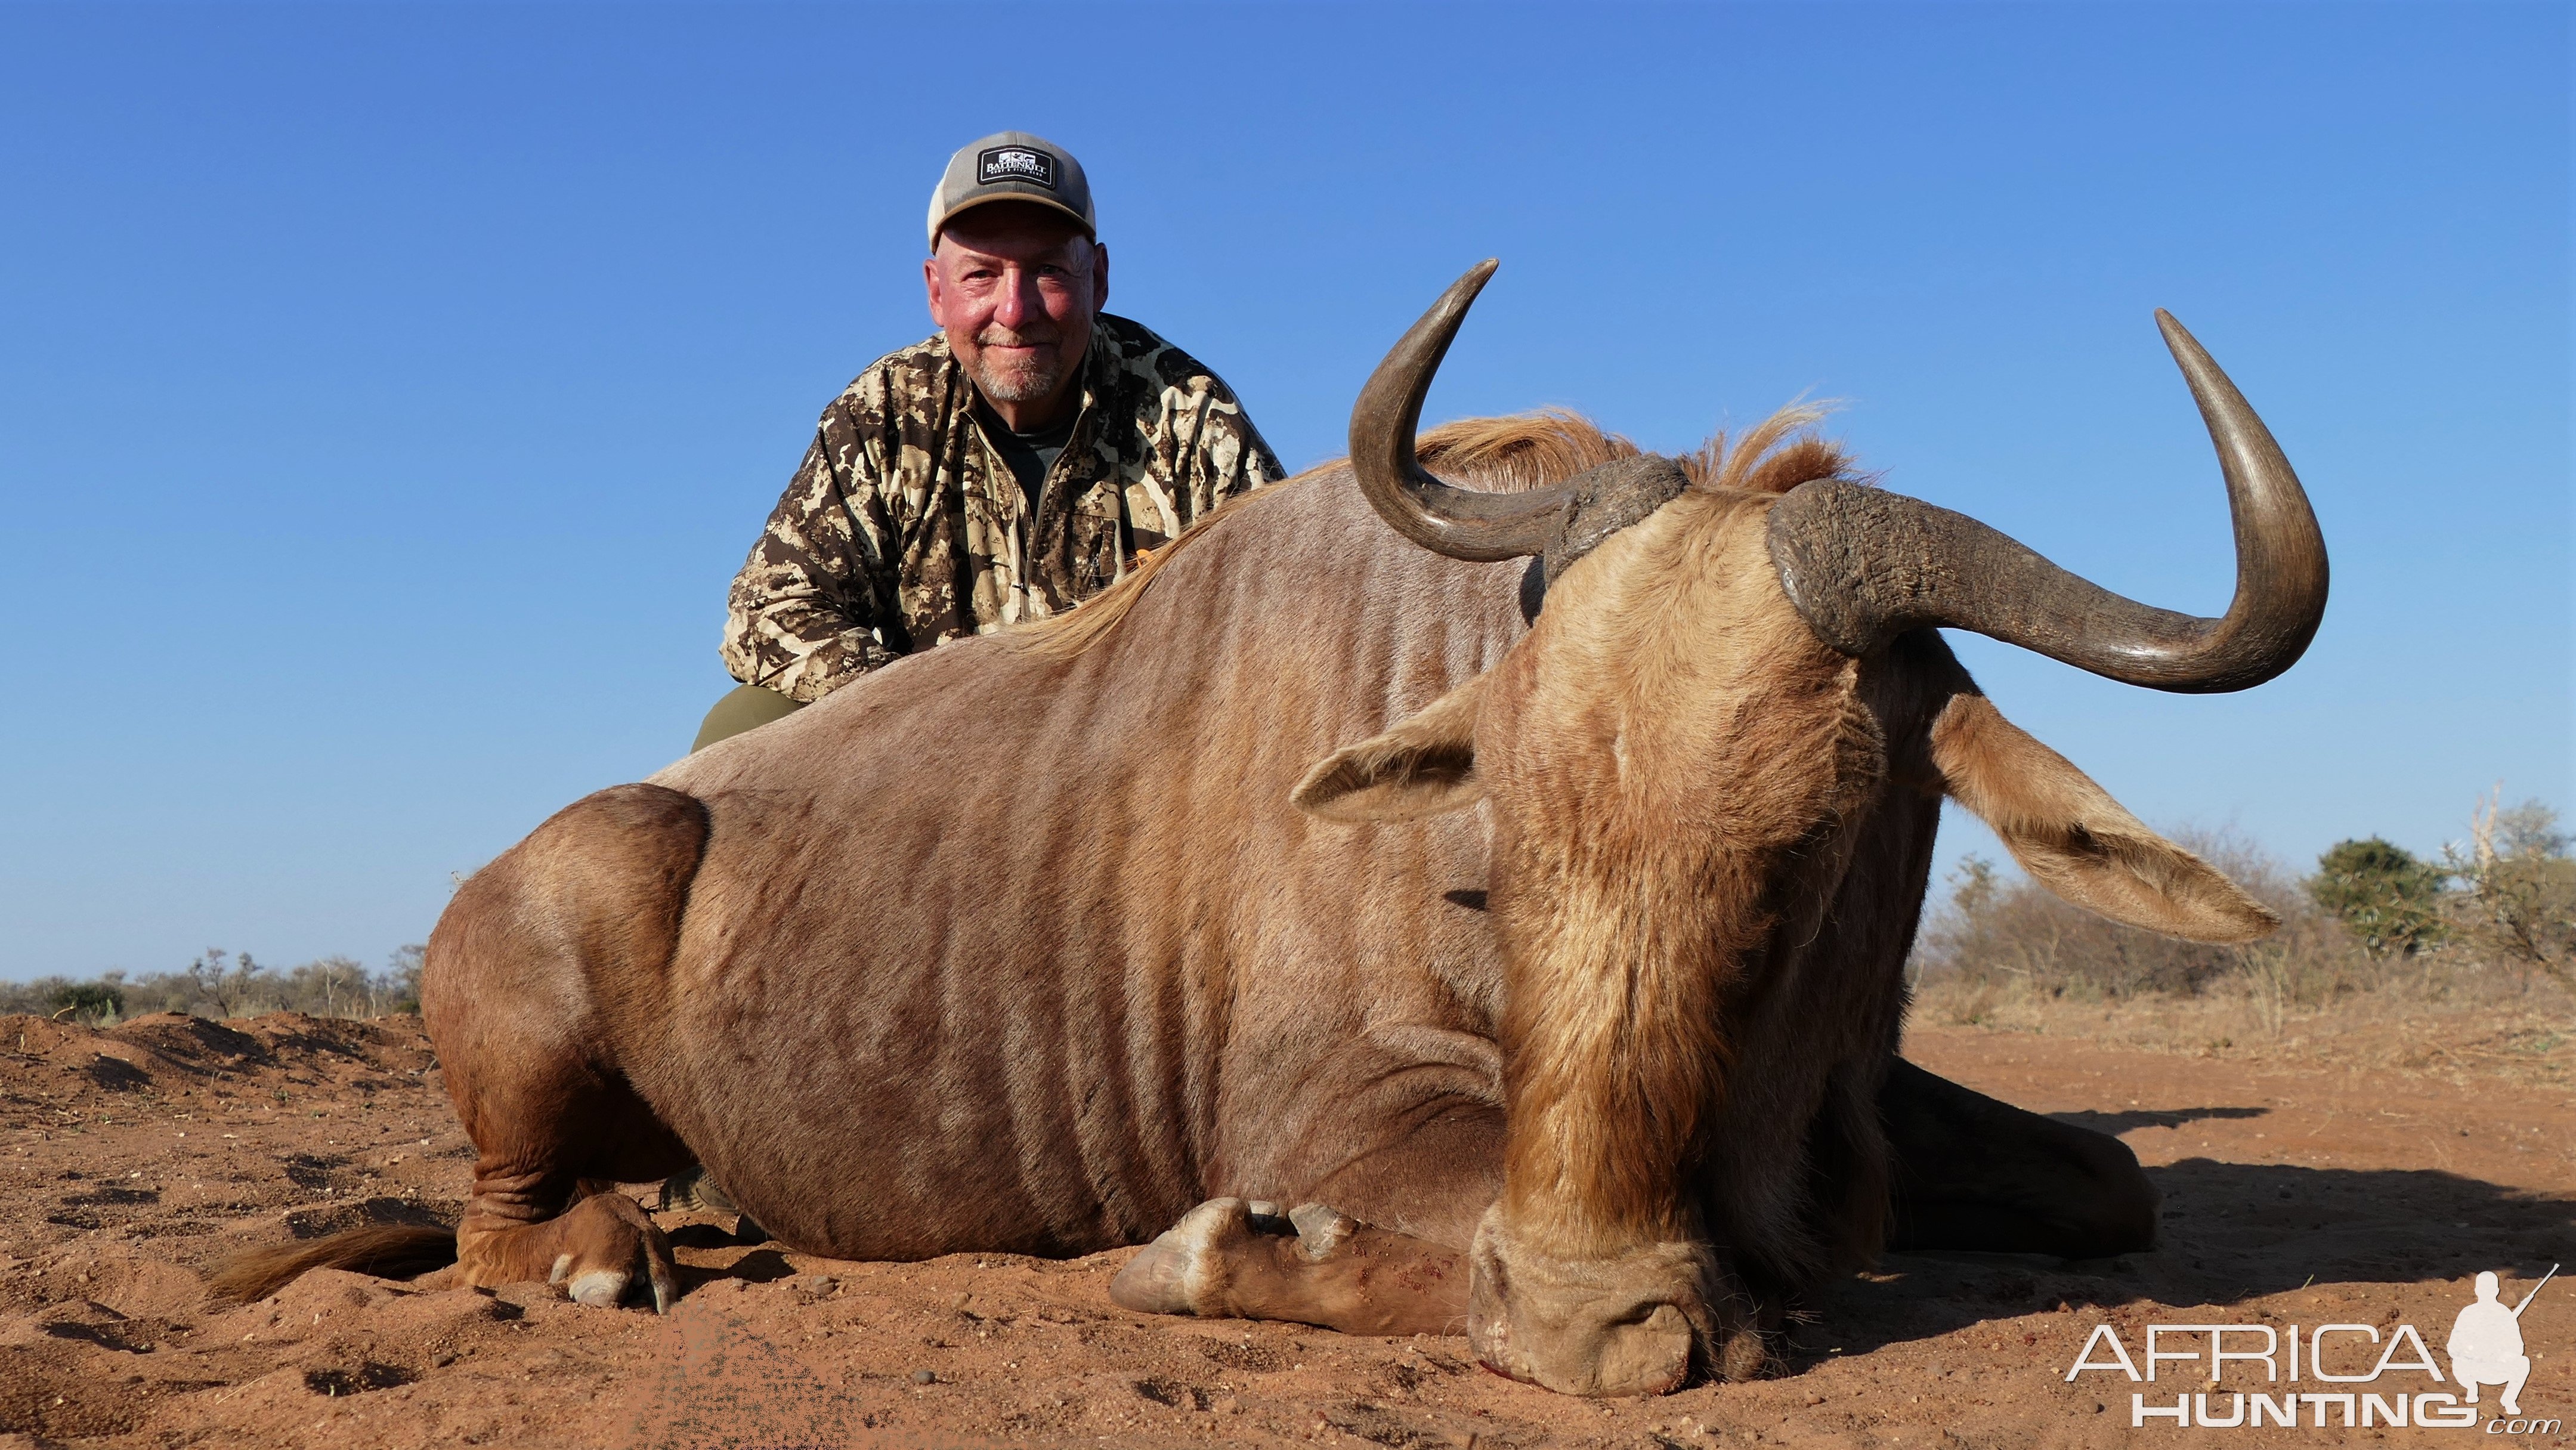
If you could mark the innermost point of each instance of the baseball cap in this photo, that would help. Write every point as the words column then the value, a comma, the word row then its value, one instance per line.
column 1012, row 166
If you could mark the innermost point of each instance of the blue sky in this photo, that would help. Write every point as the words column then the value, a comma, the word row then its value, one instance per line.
column 387, row 393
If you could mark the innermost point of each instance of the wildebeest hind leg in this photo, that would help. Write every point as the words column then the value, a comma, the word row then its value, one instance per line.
column 1974, row 1173
column 544, row 976
column 1229, row 1258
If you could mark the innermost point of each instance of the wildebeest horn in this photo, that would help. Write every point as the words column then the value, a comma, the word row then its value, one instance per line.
column 1458, row 522
column 1561, row 522
column 1863, row 566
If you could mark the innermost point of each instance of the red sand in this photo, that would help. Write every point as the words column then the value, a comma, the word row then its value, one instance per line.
column 130, row 1159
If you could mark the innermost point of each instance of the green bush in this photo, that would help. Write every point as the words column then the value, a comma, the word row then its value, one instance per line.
column 90, row 1000
column 2388, row 898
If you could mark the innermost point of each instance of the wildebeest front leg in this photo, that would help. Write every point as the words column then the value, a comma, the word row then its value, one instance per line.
column 1974, row 1173
column 1229, row 1258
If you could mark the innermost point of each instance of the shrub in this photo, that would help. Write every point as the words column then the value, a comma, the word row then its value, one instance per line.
column 2388, row 898
column 89, row 1001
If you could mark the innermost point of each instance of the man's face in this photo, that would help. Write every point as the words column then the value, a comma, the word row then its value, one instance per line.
column 1015, row 288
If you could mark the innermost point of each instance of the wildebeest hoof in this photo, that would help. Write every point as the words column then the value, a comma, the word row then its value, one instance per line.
column 597, row 1288
column 593, row 1251
column 1193, row 1267
column 1311, row 1264
column 1631, row 1324
column 1183, row 1271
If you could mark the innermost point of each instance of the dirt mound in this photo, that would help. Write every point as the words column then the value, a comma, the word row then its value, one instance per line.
column 131, row 1158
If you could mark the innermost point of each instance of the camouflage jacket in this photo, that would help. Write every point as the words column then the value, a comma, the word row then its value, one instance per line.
column 903, row 528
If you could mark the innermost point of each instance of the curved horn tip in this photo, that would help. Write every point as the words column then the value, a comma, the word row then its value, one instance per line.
column 2178, row 338
column 1469, row 283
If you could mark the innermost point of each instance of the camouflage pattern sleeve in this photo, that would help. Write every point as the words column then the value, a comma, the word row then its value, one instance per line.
column 1230, row 452
column 813, row 607
column 1200, row 446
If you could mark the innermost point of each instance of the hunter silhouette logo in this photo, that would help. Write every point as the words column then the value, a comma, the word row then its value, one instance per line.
column 2255, row 1373
column 2486, row 1343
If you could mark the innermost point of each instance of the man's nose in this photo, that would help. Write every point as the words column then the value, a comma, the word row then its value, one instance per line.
column 1019, row 299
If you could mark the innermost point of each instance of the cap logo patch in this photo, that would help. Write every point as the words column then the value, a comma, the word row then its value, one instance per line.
column 1014, row 163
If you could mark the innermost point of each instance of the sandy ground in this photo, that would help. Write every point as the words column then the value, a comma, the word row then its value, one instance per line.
column 130, row 1159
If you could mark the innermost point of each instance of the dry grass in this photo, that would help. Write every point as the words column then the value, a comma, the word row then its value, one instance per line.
column 2525, row 1031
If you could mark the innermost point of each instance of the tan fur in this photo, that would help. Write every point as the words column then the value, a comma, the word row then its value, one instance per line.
column 391, row 1251
column 1019, row 946
column 1693, row 803
column 1646, row 796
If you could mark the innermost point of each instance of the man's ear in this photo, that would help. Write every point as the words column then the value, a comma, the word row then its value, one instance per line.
column 2075, row 840
column 1420, row 768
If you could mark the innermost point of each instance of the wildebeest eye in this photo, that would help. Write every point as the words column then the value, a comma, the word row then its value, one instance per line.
column 1533, row 589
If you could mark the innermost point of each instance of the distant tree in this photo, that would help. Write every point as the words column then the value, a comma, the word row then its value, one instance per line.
column 1973, row 885
column 2388, row 897
column 2519, row 901
column 331, row 987
column 2526, row 832
column 402, row 978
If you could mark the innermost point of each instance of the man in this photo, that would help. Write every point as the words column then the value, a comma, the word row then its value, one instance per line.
column 1007, row 468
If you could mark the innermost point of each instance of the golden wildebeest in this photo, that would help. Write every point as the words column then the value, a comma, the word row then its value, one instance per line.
column 1567, row 1004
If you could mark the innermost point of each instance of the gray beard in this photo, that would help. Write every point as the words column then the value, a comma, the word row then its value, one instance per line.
column 1026, row 384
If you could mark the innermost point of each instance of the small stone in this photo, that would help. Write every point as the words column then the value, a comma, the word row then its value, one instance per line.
column 814, row 1286
column 924, row 1377
column 442, row 1359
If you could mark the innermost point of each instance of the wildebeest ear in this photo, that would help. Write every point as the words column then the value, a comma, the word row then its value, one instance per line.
column 1420, row 768
column 2075, row 840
